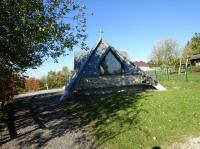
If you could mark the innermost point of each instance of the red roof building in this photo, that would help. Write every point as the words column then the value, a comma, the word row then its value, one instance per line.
column 142, row 65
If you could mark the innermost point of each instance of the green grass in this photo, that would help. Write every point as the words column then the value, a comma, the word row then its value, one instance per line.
column 143, row 120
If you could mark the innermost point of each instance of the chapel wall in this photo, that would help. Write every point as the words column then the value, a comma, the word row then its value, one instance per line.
column 108, row 81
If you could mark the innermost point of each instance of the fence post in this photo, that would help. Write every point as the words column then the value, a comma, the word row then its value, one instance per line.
column 168, row 73
column 179, row 69
column 156, row 74
column 186, row 70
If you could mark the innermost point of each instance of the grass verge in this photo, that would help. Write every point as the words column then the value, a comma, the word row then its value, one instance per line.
column 143, row 120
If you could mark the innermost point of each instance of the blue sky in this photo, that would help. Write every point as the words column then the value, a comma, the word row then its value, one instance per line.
column 134, row 26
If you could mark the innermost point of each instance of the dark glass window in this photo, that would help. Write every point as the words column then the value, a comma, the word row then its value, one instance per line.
column 110, row 65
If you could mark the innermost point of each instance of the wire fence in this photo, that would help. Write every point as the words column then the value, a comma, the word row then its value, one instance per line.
column 167, row 74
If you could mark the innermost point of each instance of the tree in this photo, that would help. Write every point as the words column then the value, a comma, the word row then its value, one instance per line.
column 51, row 79
column 62, row 76
column 18, row 83
column 43, row 83
column 166, row 53
column 33, row 30
column 13, row 86
column 32, row 84
column 58, row 79
column 193, row 46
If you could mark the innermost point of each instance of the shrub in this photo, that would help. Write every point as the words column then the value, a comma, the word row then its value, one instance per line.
column 194, row 69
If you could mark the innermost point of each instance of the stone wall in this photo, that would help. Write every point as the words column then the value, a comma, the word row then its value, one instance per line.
column 108, row 81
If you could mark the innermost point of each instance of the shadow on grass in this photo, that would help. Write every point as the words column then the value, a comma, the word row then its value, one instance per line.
column 109, row 116
column 38, row 119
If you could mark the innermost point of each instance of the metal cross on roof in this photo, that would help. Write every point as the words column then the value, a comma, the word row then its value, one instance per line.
column 100, row 33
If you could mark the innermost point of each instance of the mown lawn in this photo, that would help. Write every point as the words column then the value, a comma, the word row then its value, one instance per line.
column 143, row 120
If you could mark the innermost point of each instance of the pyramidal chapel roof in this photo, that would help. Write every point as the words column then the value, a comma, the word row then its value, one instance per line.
column 87, row 65
column 81, row 57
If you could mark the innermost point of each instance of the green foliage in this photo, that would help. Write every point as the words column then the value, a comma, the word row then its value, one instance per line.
column 33, row 30
column 194, row 68
column 51, row 79
column 43, row 83
column 143, row 120
column 56, row 79
column 193, row 46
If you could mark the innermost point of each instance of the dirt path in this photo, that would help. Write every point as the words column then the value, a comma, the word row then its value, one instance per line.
column 190, row 143
column 39, row 121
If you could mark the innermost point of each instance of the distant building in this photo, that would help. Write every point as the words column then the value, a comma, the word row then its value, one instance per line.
column 142, row 65
column 195, row 60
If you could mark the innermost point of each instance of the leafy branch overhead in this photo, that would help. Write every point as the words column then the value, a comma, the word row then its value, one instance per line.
column 32, row 31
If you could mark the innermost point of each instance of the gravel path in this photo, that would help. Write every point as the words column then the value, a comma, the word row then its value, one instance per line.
column 38, row 121
column 190, row 143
